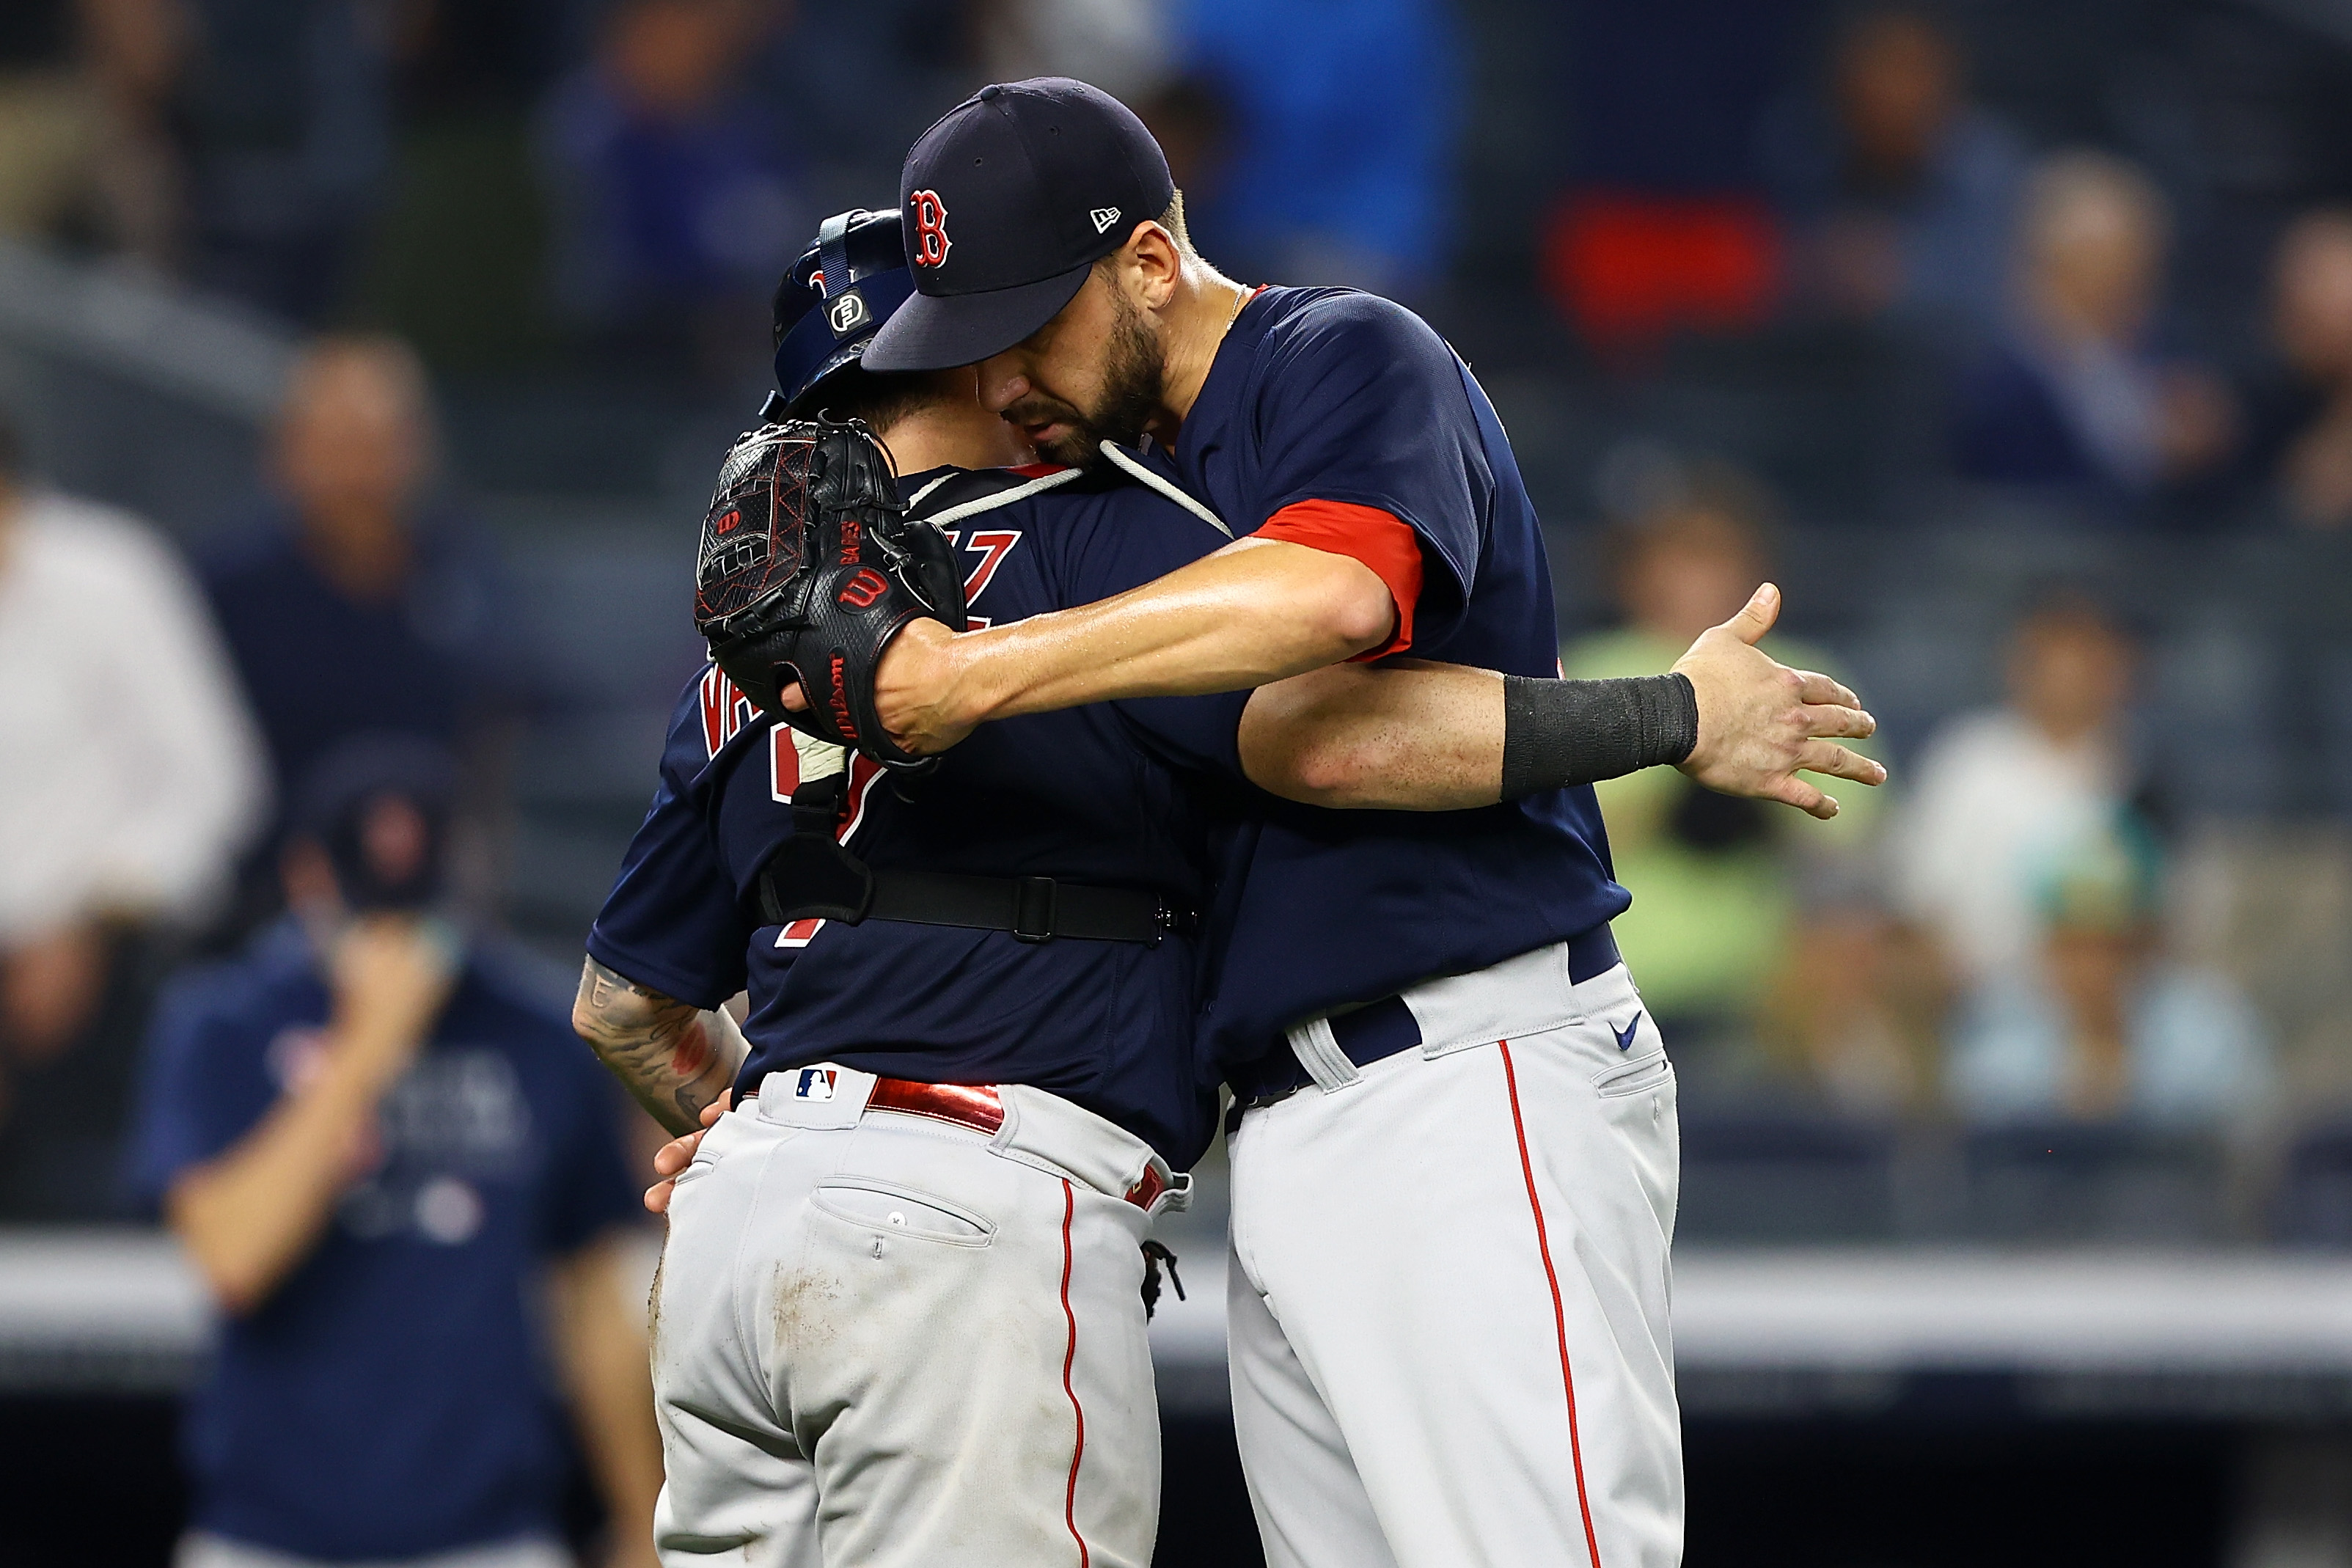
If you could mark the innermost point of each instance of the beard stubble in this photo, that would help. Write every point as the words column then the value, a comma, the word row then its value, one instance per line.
column 1133, row 380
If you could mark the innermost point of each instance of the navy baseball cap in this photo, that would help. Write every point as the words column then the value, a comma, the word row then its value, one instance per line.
column 380, row 806
column 856, row 271
column 1007, row 201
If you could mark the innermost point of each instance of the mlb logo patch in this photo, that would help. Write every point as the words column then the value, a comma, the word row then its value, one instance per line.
column 816, row 1083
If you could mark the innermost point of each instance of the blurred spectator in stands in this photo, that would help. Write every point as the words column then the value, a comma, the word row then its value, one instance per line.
column 1899, row 191
column 83, row 150
column 45, row 116
column 2100, row 1025
column 1342, row 117
column 283, row 109
column 130, row 779
column 2299, row 423
column 1715, row 879
column 362, row 600
column 1119, row 46
column 1854, row 1015
column 674, row 189
column 1996, row 792
column 2073, row 398
column 1664, row 227
column 379, row 1140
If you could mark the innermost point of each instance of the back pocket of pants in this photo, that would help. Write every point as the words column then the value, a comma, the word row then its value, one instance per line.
column 889, row 1209
column 1633, row 1077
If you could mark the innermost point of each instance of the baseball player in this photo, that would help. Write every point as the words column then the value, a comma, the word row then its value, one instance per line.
column 1453, row 1153
column 899, row 1316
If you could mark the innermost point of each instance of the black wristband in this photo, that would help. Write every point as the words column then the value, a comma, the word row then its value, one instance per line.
column 1559, row 733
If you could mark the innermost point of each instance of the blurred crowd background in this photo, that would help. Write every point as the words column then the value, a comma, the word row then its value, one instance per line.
column 364, row 362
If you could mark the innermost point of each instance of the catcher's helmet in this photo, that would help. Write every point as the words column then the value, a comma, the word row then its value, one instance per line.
column 835, row 297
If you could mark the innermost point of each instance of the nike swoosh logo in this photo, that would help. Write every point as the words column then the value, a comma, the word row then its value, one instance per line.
column 1625, row 1035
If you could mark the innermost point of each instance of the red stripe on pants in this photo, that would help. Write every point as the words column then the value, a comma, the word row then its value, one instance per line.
column 1069, row 1360
column 1558, row 1313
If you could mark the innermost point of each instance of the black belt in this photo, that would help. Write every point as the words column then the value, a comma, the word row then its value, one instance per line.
column 1381, row 1029
column 811, row 876
column 1033, row 909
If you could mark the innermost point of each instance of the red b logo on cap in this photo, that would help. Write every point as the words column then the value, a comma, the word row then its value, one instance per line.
column 931, row 240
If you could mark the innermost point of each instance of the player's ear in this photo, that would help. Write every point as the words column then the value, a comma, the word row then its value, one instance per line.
column 1150, row 264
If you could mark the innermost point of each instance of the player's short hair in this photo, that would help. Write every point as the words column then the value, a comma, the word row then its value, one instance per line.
column 881, row 399
column 1172, row 220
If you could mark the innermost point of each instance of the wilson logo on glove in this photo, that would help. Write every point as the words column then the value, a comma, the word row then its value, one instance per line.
column 815, row 597
column 841, row 699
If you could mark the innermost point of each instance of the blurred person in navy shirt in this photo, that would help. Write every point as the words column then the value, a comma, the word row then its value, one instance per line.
column 1899, row 192
column 361, row 599
column 379, row 1141
column 2299, row 411
column 674, row 188
column 2073, row 398
column 1342, row 120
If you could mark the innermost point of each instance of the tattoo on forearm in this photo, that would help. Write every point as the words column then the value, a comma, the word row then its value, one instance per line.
column 673, row 1057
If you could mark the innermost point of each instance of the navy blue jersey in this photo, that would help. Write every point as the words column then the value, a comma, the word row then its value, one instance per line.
column 1091, row 794
column 389, row 1399
column 1328, row 394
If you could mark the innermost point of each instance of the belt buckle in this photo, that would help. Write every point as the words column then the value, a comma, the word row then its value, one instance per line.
column 1033, row 910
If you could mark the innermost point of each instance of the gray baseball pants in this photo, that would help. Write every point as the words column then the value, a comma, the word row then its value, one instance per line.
column 881, row 1339
column 1448, row 1288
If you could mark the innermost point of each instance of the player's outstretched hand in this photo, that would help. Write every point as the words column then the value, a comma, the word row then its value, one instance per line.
column 679, row 1154
column 1760, row 723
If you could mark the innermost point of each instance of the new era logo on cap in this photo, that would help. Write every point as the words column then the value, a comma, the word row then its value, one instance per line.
column 1043, row 179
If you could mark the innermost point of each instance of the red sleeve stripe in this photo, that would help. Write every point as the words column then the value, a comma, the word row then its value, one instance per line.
column 1378, row 539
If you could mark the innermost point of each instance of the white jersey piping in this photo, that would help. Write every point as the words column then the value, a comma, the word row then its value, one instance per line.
column 1135, row 470
column 991, row 503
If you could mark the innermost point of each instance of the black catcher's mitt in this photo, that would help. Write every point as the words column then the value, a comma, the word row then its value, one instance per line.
column 809, row 566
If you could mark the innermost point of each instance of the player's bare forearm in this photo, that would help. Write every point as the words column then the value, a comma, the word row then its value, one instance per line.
column 1255, row 612
column 673, row 1057
column 1415, row 736
column 1406, row 735
column 253, row 1212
